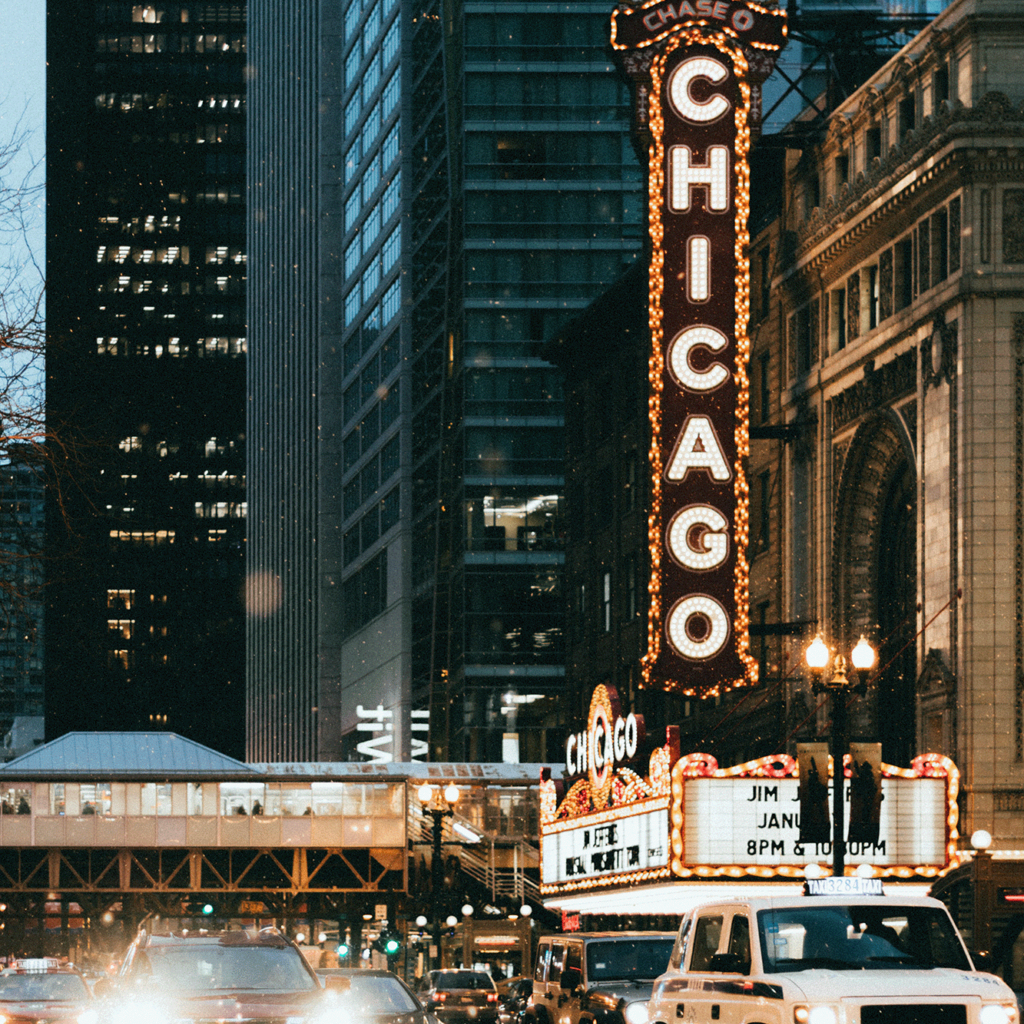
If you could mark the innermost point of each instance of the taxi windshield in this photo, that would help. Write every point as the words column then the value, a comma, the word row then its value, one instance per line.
column 867, row 936
column 191, row 969
column 25, row 988
column 624, row 960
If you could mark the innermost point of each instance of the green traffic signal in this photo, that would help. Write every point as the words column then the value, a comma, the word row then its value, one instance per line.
column 342, row 949
column 207, row 909
column 391, row 945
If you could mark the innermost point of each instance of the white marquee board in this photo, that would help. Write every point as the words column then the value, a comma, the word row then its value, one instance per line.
column 605, row 846
column 757, row 821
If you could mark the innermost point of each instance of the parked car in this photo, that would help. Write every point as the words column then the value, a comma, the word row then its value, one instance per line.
column 209, row 976
column 41, row 991
column 597, row 976
column 460, row 995
column 376, row 997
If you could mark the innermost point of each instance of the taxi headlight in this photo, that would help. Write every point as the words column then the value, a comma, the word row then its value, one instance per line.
column 88, row 1017
column 804, row 1014
column 636, row 1013
column 140, row 1012
column 998, row 1013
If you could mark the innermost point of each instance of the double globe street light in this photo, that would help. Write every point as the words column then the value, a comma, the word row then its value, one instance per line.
column 828, row 670
column 437, row 804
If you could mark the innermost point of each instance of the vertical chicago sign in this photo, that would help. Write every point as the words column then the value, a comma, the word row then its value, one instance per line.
column 696, row 67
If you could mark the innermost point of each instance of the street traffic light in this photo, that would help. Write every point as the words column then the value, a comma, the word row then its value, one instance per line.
column 342, row 950
column 201, row 908
column 388, row 942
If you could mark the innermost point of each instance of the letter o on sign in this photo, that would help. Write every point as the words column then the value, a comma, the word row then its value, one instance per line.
column 742, row 21
column 713, row 614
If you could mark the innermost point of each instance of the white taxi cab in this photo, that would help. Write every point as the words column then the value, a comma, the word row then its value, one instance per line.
column 844, row 953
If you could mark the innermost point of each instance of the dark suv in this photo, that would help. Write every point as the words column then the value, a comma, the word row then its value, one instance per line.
column 213, row 976
column 460, row 995
column 597, row 976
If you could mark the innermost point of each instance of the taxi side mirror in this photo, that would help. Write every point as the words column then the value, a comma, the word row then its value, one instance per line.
column 983, row 960
column 104, row 988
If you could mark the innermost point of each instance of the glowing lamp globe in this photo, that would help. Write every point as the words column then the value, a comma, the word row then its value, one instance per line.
column 817, row 655
column 863, row 656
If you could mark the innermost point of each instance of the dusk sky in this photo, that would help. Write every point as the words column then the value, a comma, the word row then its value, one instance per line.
column 23, row 89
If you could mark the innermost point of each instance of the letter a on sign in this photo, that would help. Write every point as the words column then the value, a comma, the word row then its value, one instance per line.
column 694, row 78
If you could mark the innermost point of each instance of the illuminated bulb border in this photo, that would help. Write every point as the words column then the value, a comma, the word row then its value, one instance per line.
column 726, row 42
column 701, row 22
column 781, row 766
column 697, row 765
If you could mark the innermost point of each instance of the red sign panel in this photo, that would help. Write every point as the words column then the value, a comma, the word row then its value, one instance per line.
column 694, row 98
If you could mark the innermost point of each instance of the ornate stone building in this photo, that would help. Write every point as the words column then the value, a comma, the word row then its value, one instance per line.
column 888, row 339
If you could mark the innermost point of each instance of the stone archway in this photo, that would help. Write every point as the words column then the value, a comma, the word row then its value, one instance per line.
column 874, row 577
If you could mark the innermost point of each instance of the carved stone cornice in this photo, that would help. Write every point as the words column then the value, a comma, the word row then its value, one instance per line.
column 876, row 390
column 993, row 114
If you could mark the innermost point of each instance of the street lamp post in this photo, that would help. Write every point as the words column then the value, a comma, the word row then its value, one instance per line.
column 829, row 673
column 437, row 804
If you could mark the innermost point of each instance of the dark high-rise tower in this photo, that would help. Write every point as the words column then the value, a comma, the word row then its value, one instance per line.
column 435, row 186
column 145, row 367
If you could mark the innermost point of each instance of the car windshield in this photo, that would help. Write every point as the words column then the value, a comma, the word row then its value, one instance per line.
column 463, row 980
column 24, row 988
column 188, row 969
column 374, row 994
column 625, row 960
column 861, row 937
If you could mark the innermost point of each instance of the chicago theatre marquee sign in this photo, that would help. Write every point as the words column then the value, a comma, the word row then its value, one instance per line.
column 696, row 67
column 626, row 812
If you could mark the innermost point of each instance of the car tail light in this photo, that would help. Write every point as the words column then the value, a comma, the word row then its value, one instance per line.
column 492, row 997
column 440, row 997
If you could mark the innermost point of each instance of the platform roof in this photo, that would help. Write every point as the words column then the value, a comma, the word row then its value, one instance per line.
column 163, row 756
column 104, row 756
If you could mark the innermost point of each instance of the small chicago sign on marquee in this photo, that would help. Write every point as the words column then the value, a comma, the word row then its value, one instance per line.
column 697, row 66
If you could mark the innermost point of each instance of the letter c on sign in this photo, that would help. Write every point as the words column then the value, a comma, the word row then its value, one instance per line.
column 680, row 349
column 679, row 84
column 570, row 755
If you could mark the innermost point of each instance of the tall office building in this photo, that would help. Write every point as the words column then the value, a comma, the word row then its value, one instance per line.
column 145, row 367
column 435, row 187
column 21, row 601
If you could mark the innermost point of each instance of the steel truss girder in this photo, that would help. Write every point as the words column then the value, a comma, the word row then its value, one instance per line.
column 175, row 870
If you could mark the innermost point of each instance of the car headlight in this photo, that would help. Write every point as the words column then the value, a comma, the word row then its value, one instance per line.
column 141, row 1011
column 88, row 1017
column 636, row 1013
column 998, row 1013
column 820, row 1014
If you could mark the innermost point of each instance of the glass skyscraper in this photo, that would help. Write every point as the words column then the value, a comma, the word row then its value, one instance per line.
column 435, row 188
column 145, row 378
